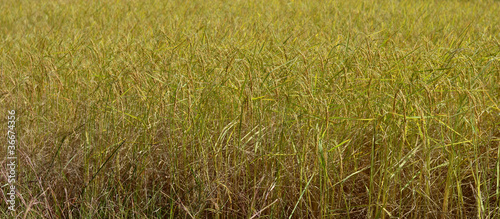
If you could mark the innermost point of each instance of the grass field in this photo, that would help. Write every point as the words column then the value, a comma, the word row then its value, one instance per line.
column 252, row 109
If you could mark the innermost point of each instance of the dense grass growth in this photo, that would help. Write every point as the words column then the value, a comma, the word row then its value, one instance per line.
column 277, row 109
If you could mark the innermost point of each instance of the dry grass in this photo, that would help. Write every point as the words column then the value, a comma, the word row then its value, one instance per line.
column 246, row 109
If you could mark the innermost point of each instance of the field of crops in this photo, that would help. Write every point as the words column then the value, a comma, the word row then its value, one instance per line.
column 251, row 109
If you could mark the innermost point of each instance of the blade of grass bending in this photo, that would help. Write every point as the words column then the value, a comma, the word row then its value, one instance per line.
column 346, row 141
column 352, row 174
column 300, row 198
column 102, row 165
column 59, row 149
column 55, row 155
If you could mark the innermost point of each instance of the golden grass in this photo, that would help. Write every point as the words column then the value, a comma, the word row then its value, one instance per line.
column 246, row 109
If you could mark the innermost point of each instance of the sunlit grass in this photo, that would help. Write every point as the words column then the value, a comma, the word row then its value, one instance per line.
column 278, row 109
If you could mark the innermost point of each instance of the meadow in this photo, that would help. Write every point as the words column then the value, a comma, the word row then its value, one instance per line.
column 252, row 109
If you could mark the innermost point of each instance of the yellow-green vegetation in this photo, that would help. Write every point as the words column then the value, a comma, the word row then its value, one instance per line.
column 253, row 109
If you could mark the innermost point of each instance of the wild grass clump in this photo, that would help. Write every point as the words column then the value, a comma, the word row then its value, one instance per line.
column 250, row 109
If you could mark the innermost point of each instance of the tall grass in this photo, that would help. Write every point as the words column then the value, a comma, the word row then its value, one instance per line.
column 224, row 109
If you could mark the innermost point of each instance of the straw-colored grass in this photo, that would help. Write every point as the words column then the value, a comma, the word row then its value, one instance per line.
column 253, row 109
